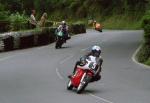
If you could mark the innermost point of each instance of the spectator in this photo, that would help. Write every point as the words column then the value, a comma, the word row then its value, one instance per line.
column 43, row 20
column 32, row 20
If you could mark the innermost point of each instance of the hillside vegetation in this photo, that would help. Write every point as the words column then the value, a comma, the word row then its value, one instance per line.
column 119, row 14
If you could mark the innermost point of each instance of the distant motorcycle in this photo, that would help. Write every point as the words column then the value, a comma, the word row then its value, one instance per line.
column 61, row 39
column 82, row 77
column 98, row 27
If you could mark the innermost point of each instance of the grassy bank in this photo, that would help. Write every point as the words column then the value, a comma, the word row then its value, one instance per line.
column 148, row 62
column 122, row 22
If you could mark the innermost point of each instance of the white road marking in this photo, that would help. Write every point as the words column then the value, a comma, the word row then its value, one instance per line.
column 99, row 98
column 59, row 75
column 134, row 58
column 66, row 59
column 21, row 53
column 84, row 49
column 8, row 57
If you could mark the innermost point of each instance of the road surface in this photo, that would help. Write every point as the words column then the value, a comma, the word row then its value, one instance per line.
column 39, row 75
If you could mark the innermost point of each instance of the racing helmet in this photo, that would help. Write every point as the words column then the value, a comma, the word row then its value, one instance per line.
column 83, row 61
column 96, row 50
column 63, row 22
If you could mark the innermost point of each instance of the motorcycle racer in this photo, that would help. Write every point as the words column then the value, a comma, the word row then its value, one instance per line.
column 93, row 55
column 64, row 29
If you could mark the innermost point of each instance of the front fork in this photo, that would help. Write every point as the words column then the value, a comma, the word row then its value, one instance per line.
column 82, row 79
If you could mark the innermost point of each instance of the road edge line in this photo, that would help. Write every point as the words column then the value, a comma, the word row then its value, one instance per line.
column 135, row 60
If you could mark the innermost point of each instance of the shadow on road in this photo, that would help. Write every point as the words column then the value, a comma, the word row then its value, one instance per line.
column 94, row 91
column 64, row 47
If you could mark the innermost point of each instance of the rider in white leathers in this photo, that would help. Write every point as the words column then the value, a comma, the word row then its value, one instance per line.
column 93, row 56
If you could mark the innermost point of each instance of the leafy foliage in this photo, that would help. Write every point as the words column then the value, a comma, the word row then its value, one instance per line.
column 75, row 7
column 144, row 53
column 148, row 62
column 146, row 19
column 18, row 21
column 147, row 34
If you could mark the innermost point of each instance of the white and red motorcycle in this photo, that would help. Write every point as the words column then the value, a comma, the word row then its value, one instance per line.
column 83, row 75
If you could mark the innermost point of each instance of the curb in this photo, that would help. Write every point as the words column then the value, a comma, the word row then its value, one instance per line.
column 135, row 60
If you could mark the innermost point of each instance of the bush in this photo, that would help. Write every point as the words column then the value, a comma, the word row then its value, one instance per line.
column 4, row 15
column 146, row 26
column 81, row 12
column 4, row 21
column 144, row 53
column 74, row 5
column 147, row 34
column 146, row 19
column 18, row 21
column 48, row 24
column 147, row 62
column 78, row 27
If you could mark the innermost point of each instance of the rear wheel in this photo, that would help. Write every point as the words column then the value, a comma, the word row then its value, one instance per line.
column 58, row 44
column 56, row 47
column 69, row 86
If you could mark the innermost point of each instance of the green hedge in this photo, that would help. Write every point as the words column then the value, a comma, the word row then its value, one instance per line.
column 144, row 53
column 147, row 34
column 49, row 24
column 4, row 26
column 77, row 28
column 18, row 21
column 4, row 20
column 146, row 19
column 148, row 62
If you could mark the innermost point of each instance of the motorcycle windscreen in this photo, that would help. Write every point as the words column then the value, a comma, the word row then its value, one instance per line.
column 77, row 77
column 60, row 33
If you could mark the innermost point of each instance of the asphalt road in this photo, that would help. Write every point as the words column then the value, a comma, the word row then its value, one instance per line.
column 39, row 75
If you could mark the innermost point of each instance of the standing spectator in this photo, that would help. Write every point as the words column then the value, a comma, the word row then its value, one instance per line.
column 32, row 20
column 94, row 24
column 43, row 20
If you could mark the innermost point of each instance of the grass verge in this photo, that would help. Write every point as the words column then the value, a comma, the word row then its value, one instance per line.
column 122, row 22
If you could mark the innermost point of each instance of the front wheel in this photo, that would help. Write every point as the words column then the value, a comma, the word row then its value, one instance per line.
column 58, row 44
column 69, row 86
column 81, row 87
